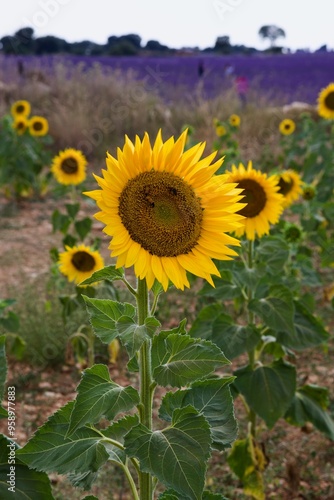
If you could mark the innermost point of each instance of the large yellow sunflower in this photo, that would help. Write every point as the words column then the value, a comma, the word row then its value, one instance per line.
column 326, row 102
column 69, row 167
column 20, row 109
column 287, row 126
column 290, row 186
column 79, row 263
column 234, row 120
column 264, row 203
column 165, row 210
column 20, row 124
column 38, row 126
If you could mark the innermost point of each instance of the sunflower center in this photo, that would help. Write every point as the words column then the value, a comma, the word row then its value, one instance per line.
column 162, row 213
column 287, row 126
column 20, row 125
column 20, row 108
column 284, row 186
column 37, row 126
column 329, row 101
column 254, row 196
column 83, row 261
column 69, row 166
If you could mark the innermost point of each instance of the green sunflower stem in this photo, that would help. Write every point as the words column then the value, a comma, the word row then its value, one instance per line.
column 251, row 352
column 146, row 383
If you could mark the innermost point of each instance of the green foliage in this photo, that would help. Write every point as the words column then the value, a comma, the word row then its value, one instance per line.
column 178, row 360
column 28, row 484
column 98, row 396
column 183, row 449
column 212, row 398
column 268, row 390
column 24, row 162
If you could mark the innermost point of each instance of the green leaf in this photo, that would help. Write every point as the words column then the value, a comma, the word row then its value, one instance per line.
column 309, row 405
column 178, row 360
column 273, row 253
column 177, row 455
column 213, row 399
column 247, row 462
column 276, row 310
column 309, row 332
column 233, row 339
column 108, row 273
column 268, row 390
column 98, row 396
column 104, row 315
column 60, row 222
column 117, row 431
column 28, row 484
column 83, row 227
column 10, row 322
column 202, row 326
column 3, row 373
column 173, row 495
column 16, row 345
column 133, row 335
column 4, row 303
column 213, row 496
column 72, row 209
column 49, row 450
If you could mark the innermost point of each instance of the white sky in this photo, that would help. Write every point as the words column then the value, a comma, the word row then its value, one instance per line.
column 176, row 23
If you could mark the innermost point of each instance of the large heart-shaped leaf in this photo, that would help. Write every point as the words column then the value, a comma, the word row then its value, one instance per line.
column 177, row 455
column 104, row 315
column 98, row 396
column 308, row 332
column 25, row 483
column 213, row 398
column 178, row 360
column 268, row 390
column 49, row 450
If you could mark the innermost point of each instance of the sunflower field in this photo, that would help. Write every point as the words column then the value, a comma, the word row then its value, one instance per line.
column 166, row 307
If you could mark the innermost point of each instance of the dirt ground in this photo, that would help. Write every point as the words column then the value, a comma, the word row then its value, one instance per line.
column 301, row 461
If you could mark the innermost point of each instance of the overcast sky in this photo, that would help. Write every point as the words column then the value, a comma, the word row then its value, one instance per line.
column 176, row 23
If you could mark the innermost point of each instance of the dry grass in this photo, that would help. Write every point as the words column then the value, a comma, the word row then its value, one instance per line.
column 92, row 109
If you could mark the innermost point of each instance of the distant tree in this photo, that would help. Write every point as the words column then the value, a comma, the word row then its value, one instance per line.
column 271, row 32
column 156, row 46
column 123, row 48
column 22, row 42
column 51, row 45
column 223, row 44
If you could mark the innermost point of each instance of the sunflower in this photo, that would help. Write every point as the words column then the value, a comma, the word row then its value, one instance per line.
column 234, row 120
column 38, row 125
column 264, row 203
column 287, row 126
column 290, row 186
column 79, row 263
column 69, row 167
column 20, row 124
column 308, row 192
column 166, row 211
column 220, row 130
column 20, row 109
column 326, row 102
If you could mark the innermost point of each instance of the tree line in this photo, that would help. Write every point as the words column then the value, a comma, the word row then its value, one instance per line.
column 24, row 42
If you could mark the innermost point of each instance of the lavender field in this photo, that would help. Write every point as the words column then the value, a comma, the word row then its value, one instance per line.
column 284, row 78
